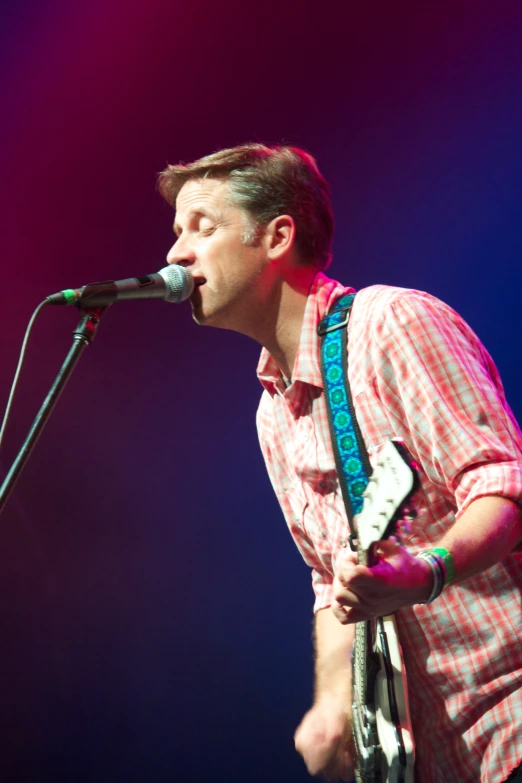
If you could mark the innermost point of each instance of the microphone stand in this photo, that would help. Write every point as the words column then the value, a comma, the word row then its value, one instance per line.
column 83, row 336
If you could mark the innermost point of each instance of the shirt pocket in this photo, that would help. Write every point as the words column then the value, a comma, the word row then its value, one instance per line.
column 304, row 520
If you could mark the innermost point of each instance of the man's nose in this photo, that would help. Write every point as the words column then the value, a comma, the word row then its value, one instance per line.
column 181, row 254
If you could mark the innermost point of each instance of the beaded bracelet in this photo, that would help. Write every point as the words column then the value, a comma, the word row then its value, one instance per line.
column 447, row 559
column 438, row 571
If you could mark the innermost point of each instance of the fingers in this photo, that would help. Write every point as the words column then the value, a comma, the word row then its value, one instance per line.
column 321, row 739
column 344, row 767
column 347, row 615
column 351, row 590
column 387, row 548
column 361, row 593
column 397, row 579
column 316, row 743
column 340, row 768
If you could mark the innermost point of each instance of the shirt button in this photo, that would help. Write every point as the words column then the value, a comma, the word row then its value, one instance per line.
column 342, row 542
column 322, row 484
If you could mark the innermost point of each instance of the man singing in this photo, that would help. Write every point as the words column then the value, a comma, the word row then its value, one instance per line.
column 254, row 226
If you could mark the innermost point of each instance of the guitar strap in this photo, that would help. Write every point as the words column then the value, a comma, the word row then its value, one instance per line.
column 354, row 471
column 351, row 458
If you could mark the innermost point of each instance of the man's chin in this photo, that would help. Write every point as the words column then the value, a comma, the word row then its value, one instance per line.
column 196, row 304
column 197, row 319
column 199, row 316
column 217, row 320
column 209, row 313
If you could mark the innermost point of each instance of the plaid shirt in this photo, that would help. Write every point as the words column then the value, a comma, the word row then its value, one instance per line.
column 419, row 373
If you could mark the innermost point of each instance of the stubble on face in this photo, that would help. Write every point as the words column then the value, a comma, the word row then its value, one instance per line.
column 212, row 232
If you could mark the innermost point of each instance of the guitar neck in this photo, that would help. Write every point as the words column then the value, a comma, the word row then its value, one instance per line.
column 384, row 749
column 362, row 661
column 363, row 665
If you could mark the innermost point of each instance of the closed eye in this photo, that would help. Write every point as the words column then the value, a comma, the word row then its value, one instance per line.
column 206, row 230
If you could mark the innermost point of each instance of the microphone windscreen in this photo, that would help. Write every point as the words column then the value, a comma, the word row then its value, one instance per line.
column 179, row 283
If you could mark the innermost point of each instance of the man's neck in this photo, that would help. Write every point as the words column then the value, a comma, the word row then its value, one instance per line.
column 282, row 338
column 275, row 318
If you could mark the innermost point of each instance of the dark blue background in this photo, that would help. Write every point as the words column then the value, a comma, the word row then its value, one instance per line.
column 155, row 614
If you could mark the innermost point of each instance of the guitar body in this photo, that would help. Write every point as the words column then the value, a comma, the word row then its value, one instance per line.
column 383, row 738
column 398, row 749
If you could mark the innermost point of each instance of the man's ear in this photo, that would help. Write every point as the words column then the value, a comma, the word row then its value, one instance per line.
column 280, row 236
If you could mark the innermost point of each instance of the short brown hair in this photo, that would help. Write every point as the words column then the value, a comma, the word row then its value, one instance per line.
column 267, row 182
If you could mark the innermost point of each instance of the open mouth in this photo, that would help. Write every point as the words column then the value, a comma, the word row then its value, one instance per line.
column 198, row 282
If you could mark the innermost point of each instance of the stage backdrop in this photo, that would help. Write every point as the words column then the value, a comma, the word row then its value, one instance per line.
column 155, row 615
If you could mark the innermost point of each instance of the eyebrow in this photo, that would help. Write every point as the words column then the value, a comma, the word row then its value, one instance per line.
column 195, row 213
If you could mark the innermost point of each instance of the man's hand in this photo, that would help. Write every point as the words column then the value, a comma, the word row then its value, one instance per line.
column 323, row 739
column 397, row 579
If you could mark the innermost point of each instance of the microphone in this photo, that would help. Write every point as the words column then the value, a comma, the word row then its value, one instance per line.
column 172, row 283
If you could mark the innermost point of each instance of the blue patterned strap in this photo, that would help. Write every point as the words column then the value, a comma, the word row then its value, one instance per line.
column 351, row 457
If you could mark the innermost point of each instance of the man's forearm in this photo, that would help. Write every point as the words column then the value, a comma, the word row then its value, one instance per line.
column 333, row 651
column 488, row 531
column 322, row 737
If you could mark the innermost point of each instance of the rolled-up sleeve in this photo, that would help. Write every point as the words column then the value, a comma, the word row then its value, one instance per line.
column 442, row 389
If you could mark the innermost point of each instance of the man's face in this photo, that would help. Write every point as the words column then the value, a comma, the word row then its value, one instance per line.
column 228, row 273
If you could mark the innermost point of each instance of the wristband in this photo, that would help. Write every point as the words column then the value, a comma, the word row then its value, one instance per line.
column 438, row 572
column 447, row 559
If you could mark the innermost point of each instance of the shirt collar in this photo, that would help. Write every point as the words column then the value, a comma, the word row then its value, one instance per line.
column 307, row 367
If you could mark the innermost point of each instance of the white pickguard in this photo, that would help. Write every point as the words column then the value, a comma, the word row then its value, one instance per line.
column 382, row 711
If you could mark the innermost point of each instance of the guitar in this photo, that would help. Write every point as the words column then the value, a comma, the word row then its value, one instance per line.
column 384, row 750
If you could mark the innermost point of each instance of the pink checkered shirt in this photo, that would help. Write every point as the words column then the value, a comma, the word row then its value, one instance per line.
column 419, row 373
